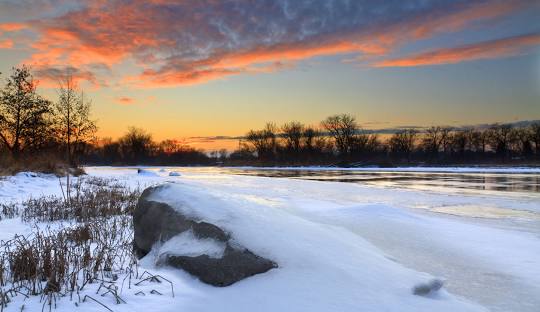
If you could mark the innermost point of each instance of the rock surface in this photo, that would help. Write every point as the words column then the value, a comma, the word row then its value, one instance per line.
column 157, row 222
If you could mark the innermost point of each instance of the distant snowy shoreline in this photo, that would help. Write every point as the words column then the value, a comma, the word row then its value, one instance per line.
column 452, row 169
column 405, row 169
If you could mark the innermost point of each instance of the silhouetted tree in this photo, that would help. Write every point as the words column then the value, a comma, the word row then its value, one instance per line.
column 24, row 114
column 111, row 151
column 263, row 141
column 459, row 141
column 343, row 129
column 292, row 133
column 72, row 118
column 310, row 134
column 136, row 146
column 479, row 141
column 402, row 143
column 535, row 137
column 364, row 144
column 432, row 141
column 499, row 138
column 520, row 139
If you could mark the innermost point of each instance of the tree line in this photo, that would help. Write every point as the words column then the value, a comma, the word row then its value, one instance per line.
column 137, row 147
column 33, row 129
column 339, row 139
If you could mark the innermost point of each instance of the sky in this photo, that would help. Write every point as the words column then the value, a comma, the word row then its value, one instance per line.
column 202, row 70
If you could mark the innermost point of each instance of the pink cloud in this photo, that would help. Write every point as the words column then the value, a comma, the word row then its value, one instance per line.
column 492, row 49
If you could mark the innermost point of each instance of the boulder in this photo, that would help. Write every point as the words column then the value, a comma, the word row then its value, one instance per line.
column 157, row 223
column 147, row 173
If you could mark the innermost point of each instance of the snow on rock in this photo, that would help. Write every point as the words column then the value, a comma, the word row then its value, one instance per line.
column 187, row 244
column 158, row 222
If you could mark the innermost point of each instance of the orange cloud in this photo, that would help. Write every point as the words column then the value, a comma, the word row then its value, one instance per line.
column 7, row 27
column 124, row 100
column 6, row 44
column 128, row 101
column 483, row 50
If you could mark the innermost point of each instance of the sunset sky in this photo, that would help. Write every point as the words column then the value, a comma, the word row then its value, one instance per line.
column 202, row 68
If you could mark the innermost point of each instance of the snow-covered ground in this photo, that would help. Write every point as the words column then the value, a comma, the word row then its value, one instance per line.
column 339, row 246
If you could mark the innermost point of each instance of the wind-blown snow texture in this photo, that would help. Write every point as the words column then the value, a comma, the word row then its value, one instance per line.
column 339, row 246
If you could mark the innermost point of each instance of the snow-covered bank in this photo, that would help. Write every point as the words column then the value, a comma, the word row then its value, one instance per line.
column 341, row 247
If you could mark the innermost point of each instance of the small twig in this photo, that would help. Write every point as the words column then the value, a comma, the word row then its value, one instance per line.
column 106, row 307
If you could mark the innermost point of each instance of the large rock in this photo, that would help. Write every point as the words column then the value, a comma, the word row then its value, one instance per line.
column 157, row 223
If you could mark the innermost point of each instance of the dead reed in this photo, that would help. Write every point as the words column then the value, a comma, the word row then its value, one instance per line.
column 89, row 198
column 93, row 244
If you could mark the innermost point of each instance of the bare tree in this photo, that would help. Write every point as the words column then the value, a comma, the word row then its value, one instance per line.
column 479, row 140
column 292, row 133
column 446, row 139
column 459, row 141
column 263, row 141
column 431, row 141
column 136, row 145
column 365, row 143
column 343, row 129
column 535, row 137
column 309, row 136
column 169, row 147
column 499, row 138
column 110, row 151
column 24, row 114
column 520, row 139
column 402, row 143
column 72, row 113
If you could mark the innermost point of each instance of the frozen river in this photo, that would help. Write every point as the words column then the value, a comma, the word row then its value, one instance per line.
column 368, row 234
column 480, row 182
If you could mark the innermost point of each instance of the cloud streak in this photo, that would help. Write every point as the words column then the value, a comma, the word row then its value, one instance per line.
column 477, row 51
column 124, row 100
column 6, row 44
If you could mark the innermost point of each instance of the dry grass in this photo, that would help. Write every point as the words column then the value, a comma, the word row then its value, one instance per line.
column 9, row 211
column 89, row 199
column 44, row 163
column 95, row 247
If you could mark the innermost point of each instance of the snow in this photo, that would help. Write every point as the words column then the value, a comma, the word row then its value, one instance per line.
column 186, row 244
column 339, row 246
